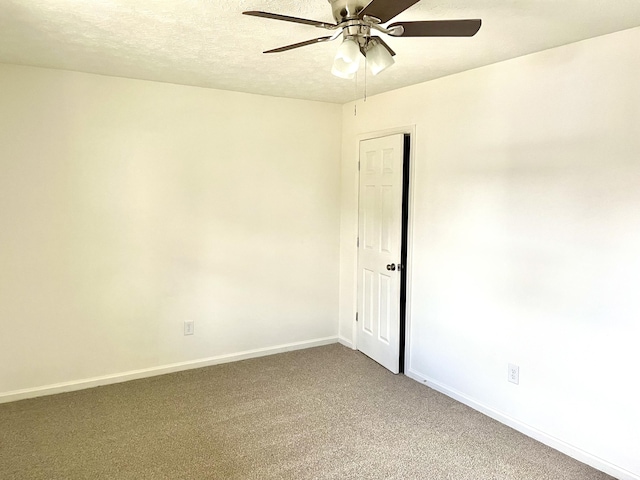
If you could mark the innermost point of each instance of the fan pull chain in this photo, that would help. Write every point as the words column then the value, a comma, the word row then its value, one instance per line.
column 355, row 100
column 364, row 98
column 365, row 79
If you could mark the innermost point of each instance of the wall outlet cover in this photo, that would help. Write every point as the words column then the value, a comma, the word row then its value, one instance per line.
column 514, row 374
column 189, row 327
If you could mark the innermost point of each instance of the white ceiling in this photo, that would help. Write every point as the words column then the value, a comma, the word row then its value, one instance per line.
column 209, row 43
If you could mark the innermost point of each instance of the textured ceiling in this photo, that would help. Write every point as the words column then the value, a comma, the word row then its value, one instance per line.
column 209, row 43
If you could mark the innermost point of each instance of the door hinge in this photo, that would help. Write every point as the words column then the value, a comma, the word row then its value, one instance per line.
column 356, row 316
column 358, row 242
column 358, row 165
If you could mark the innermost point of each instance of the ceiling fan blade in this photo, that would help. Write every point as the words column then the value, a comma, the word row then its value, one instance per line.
column 439, row 28
column 385, row 10
column 287, row 18
column 297, row 45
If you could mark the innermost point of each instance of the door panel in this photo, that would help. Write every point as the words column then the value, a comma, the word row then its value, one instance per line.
column 386, row 302
column 380, row 241
column 368, row 301
column 387, row 227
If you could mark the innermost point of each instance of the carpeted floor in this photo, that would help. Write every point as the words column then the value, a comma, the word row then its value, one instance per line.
column 321, row 413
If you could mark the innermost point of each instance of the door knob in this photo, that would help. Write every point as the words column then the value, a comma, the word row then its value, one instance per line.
column 391, row 266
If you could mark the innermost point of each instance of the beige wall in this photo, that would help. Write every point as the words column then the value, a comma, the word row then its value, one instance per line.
column 525, row 241
column 128, row 207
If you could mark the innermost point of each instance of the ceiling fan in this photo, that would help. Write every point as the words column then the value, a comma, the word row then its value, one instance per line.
column 356, row 20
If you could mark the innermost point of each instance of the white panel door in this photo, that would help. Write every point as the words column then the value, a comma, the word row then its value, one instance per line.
column 379, row 249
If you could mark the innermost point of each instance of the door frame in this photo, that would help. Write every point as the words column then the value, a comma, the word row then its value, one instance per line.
column 405, row 342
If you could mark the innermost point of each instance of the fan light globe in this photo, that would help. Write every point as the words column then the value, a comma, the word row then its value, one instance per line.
column 347, row 60
column 379, row 58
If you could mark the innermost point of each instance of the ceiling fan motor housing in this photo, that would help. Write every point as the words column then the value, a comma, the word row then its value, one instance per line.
column 357, row 31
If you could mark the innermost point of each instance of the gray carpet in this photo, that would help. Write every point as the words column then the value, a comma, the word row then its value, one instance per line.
column 322, row 413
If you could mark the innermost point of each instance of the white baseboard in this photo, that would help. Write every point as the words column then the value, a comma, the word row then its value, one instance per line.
column 528, row 430
column 160, row 370
column 346, row 343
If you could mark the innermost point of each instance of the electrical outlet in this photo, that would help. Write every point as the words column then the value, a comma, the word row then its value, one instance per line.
column 514, row 374
column 189, row 327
